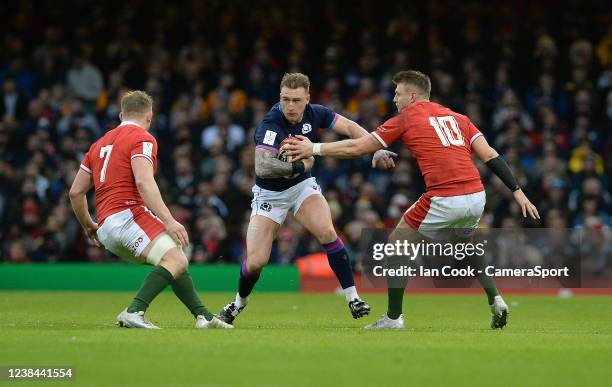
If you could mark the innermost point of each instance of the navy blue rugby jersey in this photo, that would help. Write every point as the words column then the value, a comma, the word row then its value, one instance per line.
column 274, row 128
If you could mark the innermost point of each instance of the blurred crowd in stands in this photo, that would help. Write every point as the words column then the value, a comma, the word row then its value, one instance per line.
column 535, row 77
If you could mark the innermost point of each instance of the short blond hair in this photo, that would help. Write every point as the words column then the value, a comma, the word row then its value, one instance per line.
column 415, row 78
column 295, row 80
column 136, row 102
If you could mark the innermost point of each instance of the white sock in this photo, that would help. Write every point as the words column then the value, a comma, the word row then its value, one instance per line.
column 498, row 299
column 350, row 293
column 239, row 301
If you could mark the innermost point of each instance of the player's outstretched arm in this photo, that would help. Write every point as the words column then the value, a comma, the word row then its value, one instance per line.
column 345, row 149
column 147, row 187
column 498, row 166
column 78, row 199
column 382, row 159
column 348, row 128
column 267, row 165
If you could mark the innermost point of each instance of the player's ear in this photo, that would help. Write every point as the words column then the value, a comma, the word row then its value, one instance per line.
column 120, row 116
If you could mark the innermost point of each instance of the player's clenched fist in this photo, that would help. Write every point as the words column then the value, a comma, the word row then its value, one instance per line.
column 177, row 232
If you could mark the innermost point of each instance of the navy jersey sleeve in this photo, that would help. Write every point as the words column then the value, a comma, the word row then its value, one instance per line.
column 325, row 116
column 268, row 136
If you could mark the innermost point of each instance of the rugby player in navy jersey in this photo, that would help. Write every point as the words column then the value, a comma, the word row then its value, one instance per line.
column 282, row 186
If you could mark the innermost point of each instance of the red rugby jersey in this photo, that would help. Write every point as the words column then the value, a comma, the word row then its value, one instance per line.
column 109, row 160
column 441, row 141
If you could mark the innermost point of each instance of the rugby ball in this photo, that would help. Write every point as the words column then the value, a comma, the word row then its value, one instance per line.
column 282, row 153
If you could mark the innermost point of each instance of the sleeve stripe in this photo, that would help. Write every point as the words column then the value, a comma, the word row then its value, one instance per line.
column 86, row 169
column 333, row 121
column 142, row 155
column 474, row 137
column 268, row 148
column 376, row 136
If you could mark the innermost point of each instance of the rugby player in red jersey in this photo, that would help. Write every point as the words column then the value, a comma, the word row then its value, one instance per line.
column 442, row 142
column 132, row 220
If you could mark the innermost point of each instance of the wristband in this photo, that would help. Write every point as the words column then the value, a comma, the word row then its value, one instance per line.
column 316, row 149
column 502, row 170
column 298, row 167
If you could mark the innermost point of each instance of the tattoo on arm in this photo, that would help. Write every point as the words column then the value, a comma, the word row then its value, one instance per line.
column 267, row 165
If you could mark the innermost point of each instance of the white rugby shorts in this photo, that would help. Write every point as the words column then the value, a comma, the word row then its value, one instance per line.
column 277, row 204
column 127, row 233
column 441, row 217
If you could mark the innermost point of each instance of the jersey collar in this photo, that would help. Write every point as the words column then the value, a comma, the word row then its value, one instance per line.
column 124, row 123
column 414, row 104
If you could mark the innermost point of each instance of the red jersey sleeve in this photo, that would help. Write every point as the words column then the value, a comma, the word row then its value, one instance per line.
column 145, row 146
column 86, row 163
column 473, row 132
column 390, row 131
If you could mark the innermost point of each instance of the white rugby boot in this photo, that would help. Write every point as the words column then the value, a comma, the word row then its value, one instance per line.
column 134, row 320
column 386, row 322
column 203, row 323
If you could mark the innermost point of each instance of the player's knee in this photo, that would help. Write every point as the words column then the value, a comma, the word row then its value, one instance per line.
column 182, row 263
column 175, row 262
column 327, row 235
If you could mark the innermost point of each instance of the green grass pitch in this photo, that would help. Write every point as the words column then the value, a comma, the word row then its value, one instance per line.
column 303, row 339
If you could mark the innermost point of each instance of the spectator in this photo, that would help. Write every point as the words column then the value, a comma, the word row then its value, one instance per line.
column 13, row 102
column 85, row 79
column 224, row 133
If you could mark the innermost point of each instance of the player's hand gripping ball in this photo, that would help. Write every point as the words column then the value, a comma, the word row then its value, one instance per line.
column 282, row 154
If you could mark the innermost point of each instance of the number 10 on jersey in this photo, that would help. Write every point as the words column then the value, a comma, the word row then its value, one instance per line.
column 448, row 130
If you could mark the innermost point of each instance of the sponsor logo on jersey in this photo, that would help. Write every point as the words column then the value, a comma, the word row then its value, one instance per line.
column 266, row 206
column 147, row 148
column 269, row 137
column 306, row 128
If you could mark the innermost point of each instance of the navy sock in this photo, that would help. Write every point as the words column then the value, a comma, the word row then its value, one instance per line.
column 338, row 259
column 247, row 281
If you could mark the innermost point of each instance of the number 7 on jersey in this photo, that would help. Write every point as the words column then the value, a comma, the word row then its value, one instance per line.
column 105, row 153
